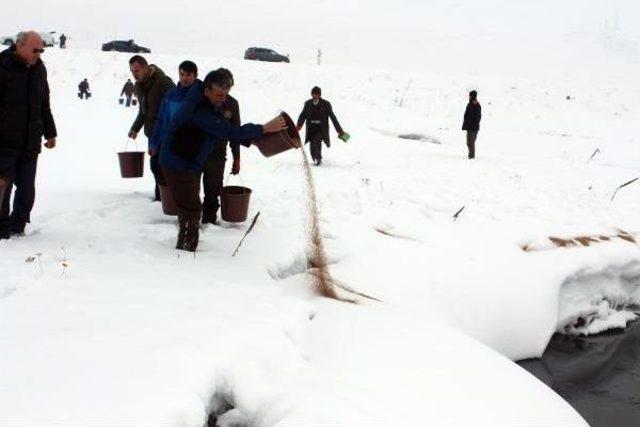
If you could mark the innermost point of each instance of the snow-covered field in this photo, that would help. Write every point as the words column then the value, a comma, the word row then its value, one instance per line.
column 102, row 322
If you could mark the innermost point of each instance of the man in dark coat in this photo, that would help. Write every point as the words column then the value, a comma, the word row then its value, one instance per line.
column 83, row 87
column 63, row 41
column 185, row 144
column 25, row 117
column 150, row 88
column 213, row 174
column 316, row 112
column 127, row 91
column 471, row 123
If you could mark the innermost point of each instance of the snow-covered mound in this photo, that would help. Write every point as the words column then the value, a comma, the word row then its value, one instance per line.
column 102, row 322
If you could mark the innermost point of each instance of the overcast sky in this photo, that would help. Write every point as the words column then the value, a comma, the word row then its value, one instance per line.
column 341, row 28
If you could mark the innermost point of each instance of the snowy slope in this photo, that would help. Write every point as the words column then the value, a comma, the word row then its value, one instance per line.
column 132, row 332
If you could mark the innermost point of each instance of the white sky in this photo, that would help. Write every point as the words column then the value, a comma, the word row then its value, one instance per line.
column 374, row 31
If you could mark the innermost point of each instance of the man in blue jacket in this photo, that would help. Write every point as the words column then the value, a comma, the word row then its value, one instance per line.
column 173, row 99
column 195, row 129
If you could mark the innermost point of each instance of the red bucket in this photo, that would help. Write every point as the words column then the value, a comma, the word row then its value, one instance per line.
column 234, row 201
column 131, row 164
column 169, row 206
column 274, row 143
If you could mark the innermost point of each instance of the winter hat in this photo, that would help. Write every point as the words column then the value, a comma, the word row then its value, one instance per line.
column 316, row 90
column 473, row 94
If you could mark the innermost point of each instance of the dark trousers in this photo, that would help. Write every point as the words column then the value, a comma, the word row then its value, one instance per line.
column 85, row 94
column 471, row 142
column 212, row 179
column 315, row 143
column 128, row 101
column 185, row 188
column 19, row 171
column 154, row 164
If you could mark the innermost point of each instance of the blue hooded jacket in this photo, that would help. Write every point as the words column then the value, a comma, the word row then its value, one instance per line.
column 171, row 102
column 195, row 128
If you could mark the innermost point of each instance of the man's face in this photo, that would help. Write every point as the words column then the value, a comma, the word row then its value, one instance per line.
column 315, row 96
column 186, row 78
column 216, row 95
column 29, row 50
column 139, row 72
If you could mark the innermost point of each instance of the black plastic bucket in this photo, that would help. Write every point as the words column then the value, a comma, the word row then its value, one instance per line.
column 274, row 143
column 131, row 164
column 169, row 206
column 235, row 203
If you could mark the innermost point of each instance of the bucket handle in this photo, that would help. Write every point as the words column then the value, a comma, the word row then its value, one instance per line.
column 239, row 176
column 126, row 144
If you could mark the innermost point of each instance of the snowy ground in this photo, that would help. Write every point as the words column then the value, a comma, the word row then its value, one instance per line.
column 133, row 333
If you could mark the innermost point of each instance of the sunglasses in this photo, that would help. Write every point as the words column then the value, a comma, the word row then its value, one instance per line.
column 38, row 50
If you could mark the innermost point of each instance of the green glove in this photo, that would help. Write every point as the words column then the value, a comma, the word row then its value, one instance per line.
column 344, row 136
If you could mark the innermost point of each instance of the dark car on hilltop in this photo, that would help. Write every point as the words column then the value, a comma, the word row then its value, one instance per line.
column 263, row 54
column 124, row 46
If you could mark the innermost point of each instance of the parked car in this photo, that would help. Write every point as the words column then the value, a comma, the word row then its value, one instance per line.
column 263, row 54
column 47, row 38
column 124, row 46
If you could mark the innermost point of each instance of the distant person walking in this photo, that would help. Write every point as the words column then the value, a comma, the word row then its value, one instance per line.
column 471, row 123
column 63, row 41
column 127, row 91
column 25, row 117
column 151, row 86
column 316, row 113
column 83, row 87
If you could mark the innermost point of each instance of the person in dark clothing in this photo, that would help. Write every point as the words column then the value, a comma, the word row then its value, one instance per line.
column 213, row 174
column 25, row 117
column 127, row 91
column 83, row 87
column 316, row 112
column 63, row 41
column 471, row 123
column 151, row 86
column 196, row 128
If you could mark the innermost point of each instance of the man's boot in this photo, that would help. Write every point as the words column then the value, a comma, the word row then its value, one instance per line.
column 17, row 228
column 193, row 236
column 182, row 233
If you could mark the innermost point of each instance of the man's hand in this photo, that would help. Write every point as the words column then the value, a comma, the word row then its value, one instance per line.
column 133, row 134
column 51, row 143
column 152, row 151
column 235, row 169
column 275, row 125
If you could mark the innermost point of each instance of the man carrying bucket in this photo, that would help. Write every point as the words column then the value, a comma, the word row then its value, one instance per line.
column 25, row 117
column 150, row 88
column 195, row 130
column 316, row 112
column 213, row 176
column 127, row 91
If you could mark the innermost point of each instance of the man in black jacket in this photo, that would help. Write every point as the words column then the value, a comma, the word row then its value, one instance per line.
column 25, row 117
column 471, row 123
column 213, row 176
column 127, row 91
column 83, row 87
column 316, row 112
column 150, row 88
